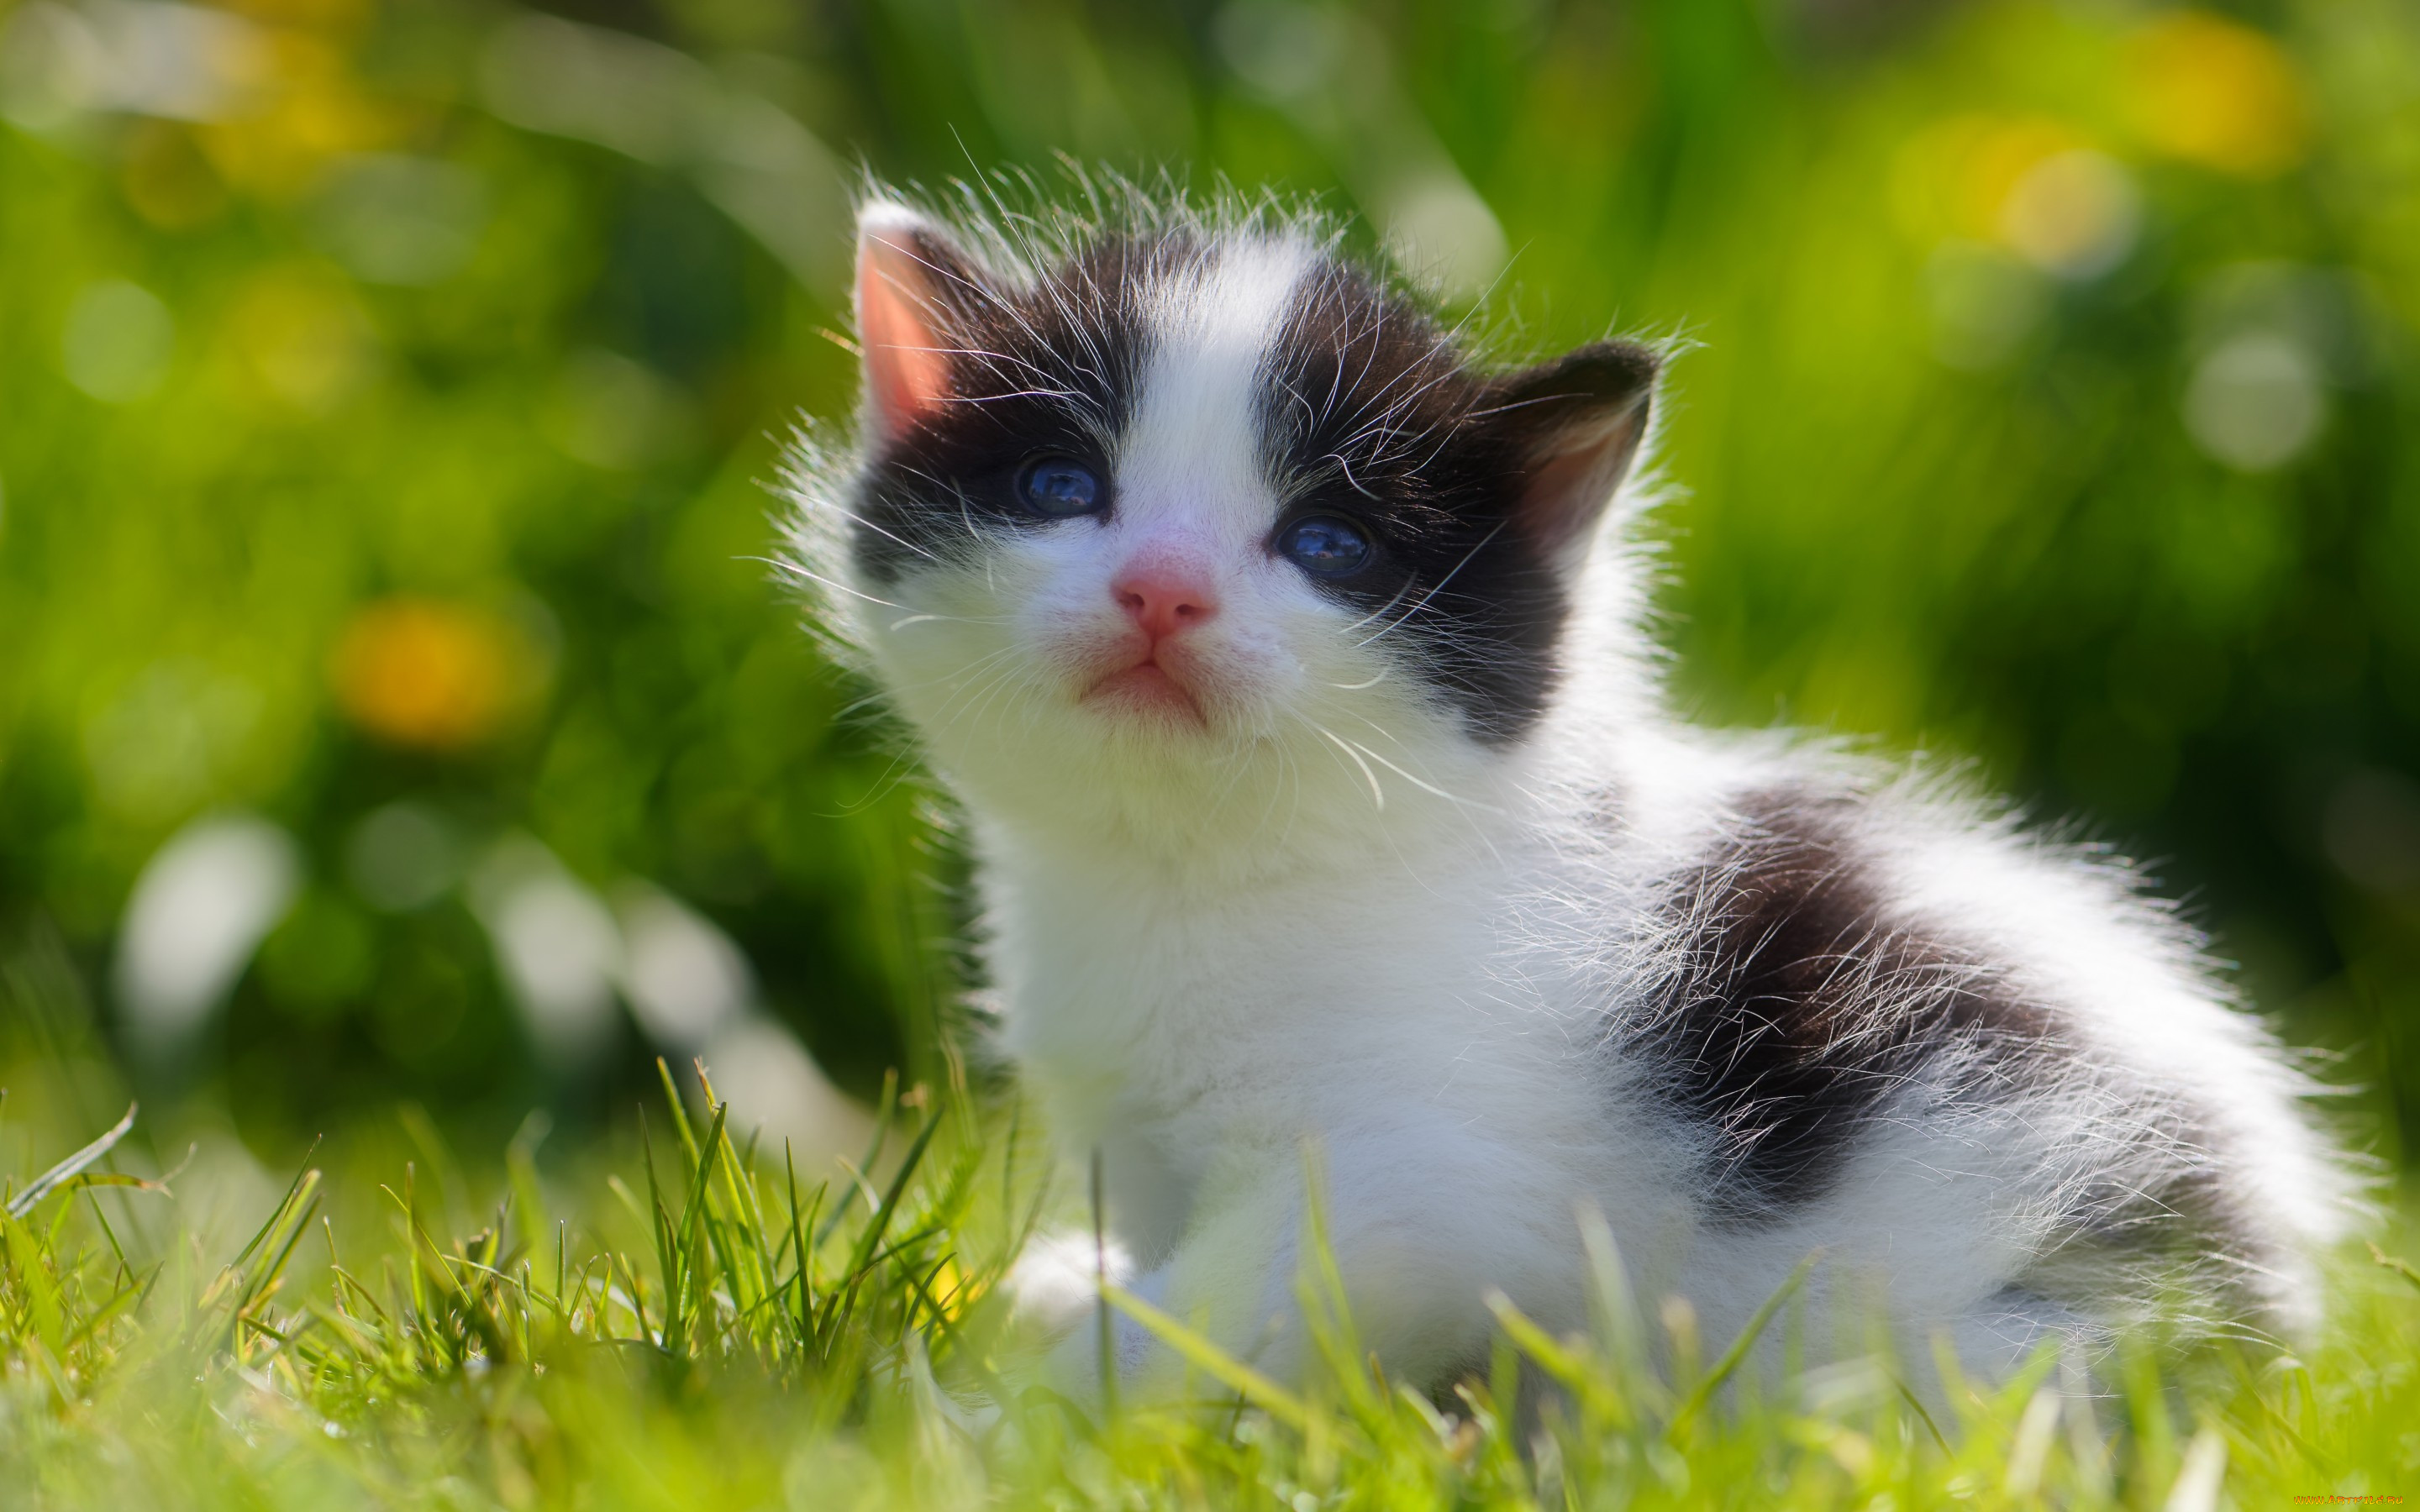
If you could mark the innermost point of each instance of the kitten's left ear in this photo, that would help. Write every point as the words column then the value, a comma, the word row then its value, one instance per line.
column 1576, row 423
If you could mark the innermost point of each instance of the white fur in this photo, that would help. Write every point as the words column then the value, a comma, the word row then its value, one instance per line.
column 1330, row 921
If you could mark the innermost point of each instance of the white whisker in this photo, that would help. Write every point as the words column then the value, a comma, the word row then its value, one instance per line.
column 1377, row 794
column 1423, row 786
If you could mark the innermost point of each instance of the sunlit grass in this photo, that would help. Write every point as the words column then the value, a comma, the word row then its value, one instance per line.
column 711, row 1329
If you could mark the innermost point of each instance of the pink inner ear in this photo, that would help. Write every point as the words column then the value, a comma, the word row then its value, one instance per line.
column 906, row 372
column 1571, row 484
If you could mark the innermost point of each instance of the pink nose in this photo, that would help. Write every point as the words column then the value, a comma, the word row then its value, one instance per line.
column 1163, row 600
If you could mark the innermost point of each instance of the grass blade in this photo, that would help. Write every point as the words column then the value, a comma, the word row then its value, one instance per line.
column 57, row 1176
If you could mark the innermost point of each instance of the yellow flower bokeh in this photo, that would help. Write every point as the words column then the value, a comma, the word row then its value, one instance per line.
column 2033, row 185
column 1954, row 176
column 304, row 106
column 2217, row 93
column 432, row 674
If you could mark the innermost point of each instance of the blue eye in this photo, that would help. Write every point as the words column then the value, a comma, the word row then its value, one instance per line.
column 1059, row 487
column 1326, row 547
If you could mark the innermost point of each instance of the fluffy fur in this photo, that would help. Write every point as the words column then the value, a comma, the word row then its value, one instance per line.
column 1416, row 869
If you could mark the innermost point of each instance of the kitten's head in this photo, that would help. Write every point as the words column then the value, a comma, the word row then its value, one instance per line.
column 1201, row 530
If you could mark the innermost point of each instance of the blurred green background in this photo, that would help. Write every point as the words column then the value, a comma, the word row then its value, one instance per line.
column 394, row 704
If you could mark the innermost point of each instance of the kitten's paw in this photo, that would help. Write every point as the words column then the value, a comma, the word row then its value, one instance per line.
column 1057, row 1281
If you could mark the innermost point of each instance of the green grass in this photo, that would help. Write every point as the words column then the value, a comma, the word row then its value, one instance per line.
column 709, row 1328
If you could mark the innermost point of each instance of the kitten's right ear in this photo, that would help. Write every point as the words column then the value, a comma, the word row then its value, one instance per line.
column 1576, row 423
column 910, row 278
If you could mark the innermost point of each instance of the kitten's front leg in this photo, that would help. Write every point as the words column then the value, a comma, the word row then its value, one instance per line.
column 1231, row 1279
column 1418, row 1241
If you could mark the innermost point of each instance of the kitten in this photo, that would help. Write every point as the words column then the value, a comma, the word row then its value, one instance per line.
column 1288, row 663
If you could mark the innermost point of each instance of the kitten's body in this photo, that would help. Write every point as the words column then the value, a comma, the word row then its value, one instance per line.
column 1408, row 863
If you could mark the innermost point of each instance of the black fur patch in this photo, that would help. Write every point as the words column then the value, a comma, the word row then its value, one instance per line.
column 1790, row 1015
column 1047, row 368
column 1375, row 414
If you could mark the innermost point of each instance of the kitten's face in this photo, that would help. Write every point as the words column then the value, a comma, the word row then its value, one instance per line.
column 1198, row 521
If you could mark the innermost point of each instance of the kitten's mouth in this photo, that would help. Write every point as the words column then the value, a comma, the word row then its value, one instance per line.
column 1147, row 687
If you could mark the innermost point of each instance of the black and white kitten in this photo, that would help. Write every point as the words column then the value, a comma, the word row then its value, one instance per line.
column 1288, row 663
